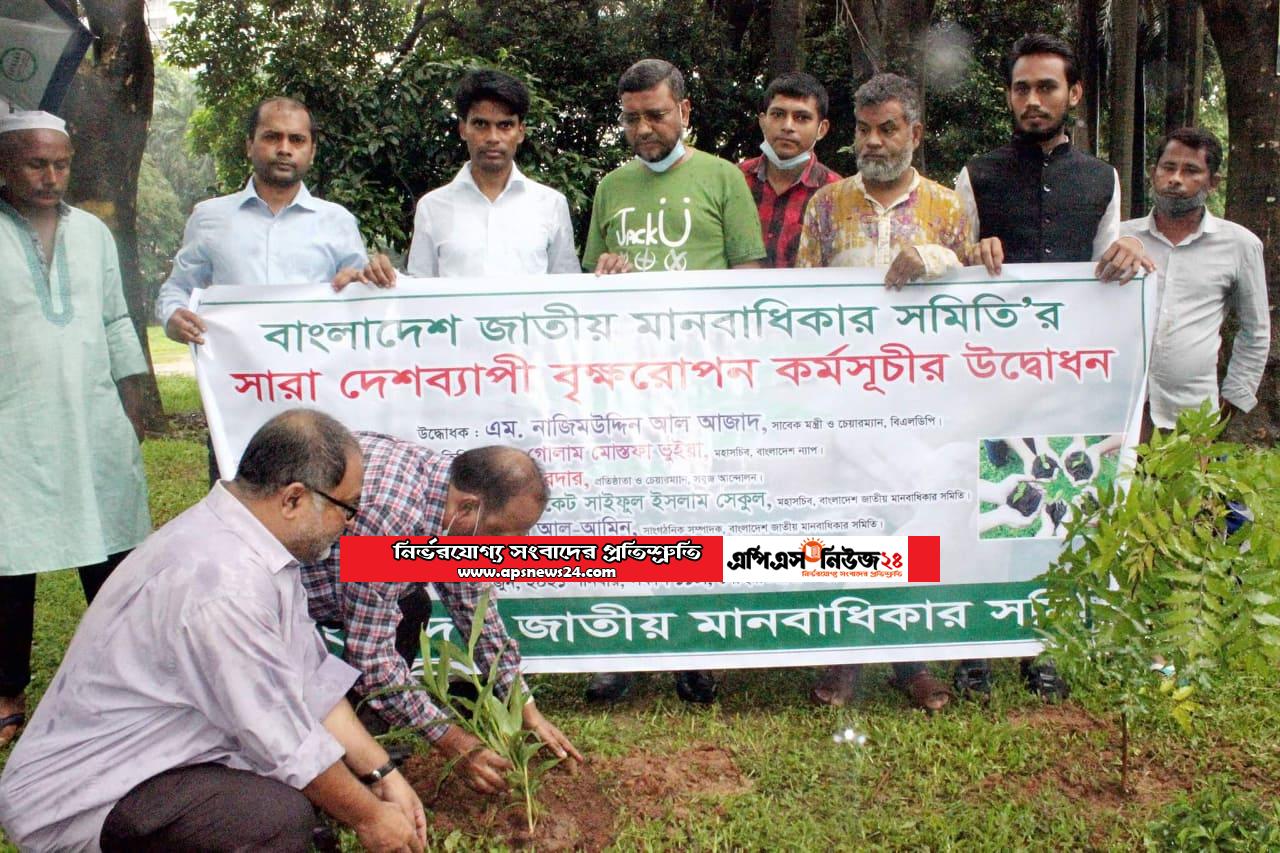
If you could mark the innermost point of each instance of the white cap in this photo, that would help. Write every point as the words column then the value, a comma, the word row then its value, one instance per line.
column 31, row 120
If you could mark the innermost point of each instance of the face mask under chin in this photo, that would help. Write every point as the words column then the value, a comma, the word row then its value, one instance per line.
column 667, row 162
column 448, row 525
column 787, row 164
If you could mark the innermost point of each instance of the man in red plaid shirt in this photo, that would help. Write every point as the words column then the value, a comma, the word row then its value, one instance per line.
column 409, row 490
column 793, row 117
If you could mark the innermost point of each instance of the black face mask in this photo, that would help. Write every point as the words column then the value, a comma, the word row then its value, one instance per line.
column 1173, row 205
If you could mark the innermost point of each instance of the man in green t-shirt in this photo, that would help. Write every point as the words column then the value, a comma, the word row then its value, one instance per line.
column 671, row 208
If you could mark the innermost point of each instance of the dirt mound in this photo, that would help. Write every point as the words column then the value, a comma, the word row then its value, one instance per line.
column 575, row 812
column 1086, row 764
column 579, row 805
column 652, row 784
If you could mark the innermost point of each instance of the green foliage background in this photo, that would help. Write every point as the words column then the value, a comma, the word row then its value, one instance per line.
column 172, row 177
column 388, row 128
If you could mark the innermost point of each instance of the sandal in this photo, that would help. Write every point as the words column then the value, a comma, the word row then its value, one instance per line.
column 925, row 691
column 1042, row 679
column 836, row 686
column 973, row 679
column 17, row 721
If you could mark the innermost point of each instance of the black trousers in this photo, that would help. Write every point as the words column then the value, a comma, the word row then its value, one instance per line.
column 208, row 807
column 17, row 620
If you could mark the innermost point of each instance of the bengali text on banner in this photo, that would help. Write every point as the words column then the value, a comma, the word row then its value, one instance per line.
column 797, row 406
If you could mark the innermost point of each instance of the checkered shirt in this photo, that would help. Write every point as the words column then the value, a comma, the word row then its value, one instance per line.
column 782, row 216
column 403, row 494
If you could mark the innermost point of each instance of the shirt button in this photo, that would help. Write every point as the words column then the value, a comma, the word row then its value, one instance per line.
column 1045, row 188
column 1048, row 251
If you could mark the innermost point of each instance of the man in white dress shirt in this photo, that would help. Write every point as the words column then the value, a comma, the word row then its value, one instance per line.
column 271, row 232
column 1206, row 266
column 491, row 219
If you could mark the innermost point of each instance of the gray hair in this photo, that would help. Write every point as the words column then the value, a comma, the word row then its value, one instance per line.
column 298, row 446
column 647, row 73
column 889, row 87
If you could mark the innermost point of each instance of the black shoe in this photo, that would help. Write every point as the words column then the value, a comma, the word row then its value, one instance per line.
column 608, row 687
column 696, row 685
column 1043, row 680
column 324, row 839
column 973, row 678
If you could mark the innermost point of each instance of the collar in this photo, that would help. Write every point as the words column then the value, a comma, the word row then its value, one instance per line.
column 303, row 199
column 64, row 210
column 515, row 179
column 1209, row 224
column 231, row 512
column 915, row 183
column 759, row 166
column 1031, row 147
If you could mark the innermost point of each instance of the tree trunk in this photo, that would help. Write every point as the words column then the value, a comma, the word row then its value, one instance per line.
column 1184, row 67
column 866, row 42
column 786, row 36
column 1124, row 66
column 1138, row 181
column 107, row 111
column 891, row 35
column 1244, row 32
column 1086, row 135
column 738, row 15
column 1124, row 754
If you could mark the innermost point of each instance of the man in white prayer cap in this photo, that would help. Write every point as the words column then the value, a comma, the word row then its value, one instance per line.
column 72, row 488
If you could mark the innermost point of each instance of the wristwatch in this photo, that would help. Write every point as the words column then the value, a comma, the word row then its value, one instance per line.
column 378, row 775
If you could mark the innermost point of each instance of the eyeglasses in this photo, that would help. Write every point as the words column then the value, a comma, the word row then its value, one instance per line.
column 651, row 117
column 348, row 509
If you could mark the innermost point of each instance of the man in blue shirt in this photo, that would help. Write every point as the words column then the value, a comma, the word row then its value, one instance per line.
column 271, row 232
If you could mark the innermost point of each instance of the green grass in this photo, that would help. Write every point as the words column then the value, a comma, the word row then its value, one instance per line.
column 1008, row 776
column 179, row 394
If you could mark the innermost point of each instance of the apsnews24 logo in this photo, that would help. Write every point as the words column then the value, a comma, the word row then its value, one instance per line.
column 881, row 559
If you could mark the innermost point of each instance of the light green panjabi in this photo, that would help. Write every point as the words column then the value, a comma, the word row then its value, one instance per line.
column 72, row 488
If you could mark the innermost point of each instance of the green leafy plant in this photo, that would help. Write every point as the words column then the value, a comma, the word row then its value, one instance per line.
column 496, row 722
column 1149, row 573
column 1217, row 817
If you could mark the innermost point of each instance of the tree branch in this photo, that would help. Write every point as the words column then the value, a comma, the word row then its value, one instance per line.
column 421, row 18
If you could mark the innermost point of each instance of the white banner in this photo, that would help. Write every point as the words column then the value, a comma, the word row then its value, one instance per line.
column 798, row 403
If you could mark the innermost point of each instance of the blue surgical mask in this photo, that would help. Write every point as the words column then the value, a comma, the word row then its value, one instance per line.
column 666, row 162
column 784, row 165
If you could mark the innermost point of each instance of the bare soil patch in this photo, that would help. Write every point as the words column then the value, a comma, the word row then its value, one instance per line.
column 653, row 785
column 185, row 426
column 579, row 806
column 1086, row 766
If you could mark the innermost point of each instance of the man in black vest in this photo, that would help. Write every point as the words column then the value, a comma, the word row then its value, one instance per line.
column 1039, row 200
